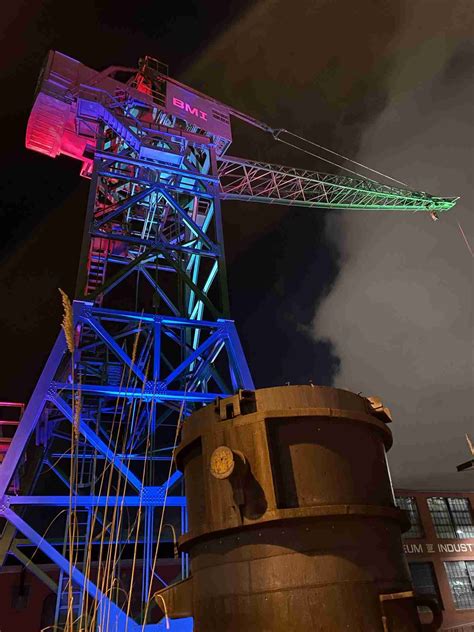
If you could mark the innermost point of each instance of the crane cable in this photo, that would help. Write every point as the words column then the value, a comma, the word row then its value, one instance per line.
column 467, row 244
column 277, row 133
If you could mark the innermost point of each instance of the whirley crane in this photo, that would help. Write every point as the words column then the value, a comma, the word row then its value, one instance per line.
column 148, row 337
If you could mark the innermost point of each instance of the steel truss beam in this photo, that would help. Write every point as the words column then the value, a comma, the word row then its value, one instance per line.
column 153, row 246
column 242, row 179
column 149, row 498
column 222, row 334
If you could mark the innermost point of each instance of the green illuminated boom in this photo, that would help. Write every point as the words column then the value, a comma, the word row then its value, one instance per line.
column 242, row 179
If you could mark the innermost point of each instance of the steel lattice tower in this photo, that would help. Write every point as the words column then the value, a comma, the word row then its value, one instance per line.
column 149, row 337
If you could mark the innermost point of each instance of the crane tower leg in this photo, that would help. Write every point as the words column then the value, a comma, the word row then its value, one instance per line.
column 147, row 341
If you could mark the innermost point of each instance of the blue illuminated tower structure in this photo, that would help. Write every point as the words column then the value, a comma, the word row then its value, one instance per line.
column 149, row 336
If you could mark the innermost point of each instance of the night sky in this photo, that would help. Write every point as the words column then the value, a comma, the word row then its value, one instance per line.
column 377, row 303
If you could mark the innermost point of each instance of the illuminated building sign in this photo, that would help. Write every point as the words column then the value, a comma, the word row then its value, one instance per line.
column 206, row 114
column 464, row 547
column 183, row 105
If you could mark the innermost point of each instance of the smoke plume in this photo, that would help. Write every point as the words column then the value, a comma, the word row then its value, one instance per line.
column 388, row 83
column 399, row 313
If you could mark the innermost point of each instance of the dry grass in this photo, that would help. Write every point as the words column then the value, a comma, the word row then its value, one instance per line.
column 470, row 444
column 68, row 320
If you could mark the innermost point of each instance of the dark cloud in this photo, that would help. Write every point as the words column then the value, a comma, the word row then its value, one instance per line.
column 400, row 311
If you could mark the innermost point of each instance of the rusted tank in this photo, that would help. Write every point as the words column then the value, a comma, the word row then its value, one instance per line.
column 292, row 520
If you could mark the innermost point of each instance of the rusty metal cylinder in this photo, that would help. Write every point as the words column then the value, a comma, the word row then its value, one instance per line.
column 292, row 521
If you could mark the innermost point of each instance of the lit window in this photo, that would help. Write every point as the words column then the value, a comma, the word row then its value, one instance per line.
column 461, row 582
column 408, row 503
column 424, row 582
column 452, row 517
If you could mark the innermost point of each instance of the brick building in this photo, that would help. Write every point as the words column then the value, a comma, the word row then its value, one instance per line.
column 440, row 552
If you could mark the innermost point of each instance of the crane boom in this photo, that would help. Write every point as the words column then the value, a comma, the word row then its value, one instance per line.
column 242, row 179
column 73, row 98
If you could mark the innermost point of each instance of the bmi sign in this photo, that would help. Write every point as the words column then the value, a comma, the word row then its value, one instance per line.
column 438, row 548
column 197, row 110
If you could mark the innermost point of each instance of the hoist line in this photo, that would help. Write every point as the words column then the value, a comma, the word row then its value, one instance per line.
column 335, row 164
column 466, row 240
column 276, row 136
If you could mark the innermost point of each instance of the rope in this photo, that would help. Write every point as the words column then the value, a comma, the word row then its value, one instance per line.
column 276, row 136
column 335, row 164
column 465, row 240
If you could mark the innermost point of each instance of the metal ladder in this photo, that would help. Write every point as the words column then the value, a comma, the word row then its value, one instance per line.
column 97, row 265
